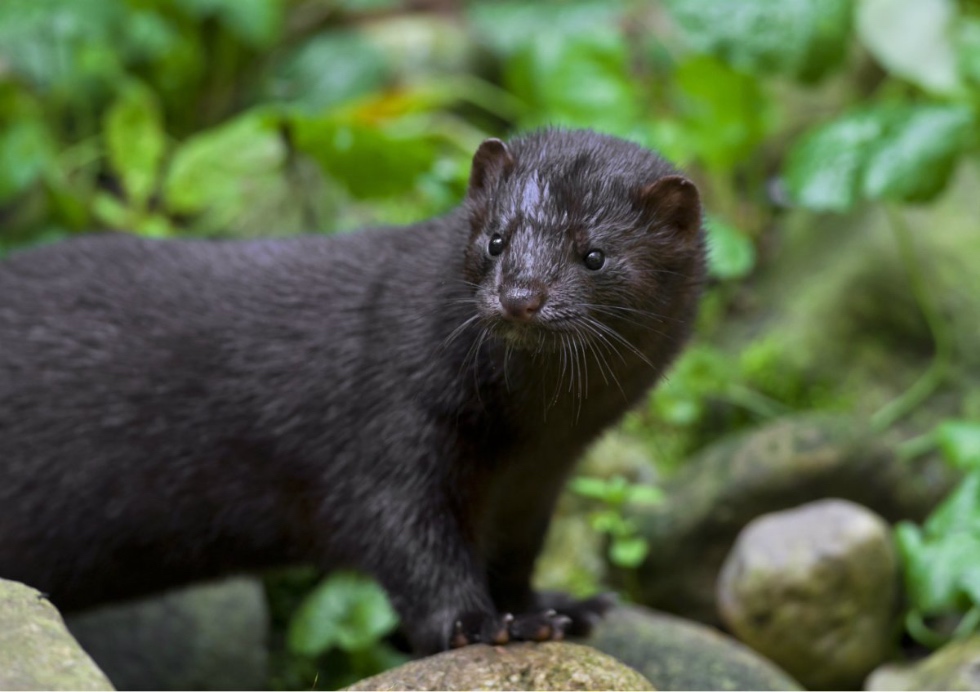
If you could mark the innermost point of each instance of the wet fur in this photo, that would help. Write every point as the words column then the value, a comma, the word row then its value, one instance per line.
column 172, row 411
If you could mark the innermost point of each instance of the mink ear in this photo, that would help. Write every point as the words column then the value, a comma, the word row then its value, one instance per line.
column 672, row 201
column 491, row 160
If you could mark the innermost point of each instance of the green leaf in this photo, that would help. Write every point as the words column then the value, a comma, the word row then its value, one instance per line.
column 370, row 158
column 357, row 67
column 590, row 487
column 112, row 213
column 912, row 39
column 628, row 552
column 958, row 513
column 135, row 142
column 219, row 171
column 577, row 81
column 937, row 571
column 890, row 151
column 824, row 168
column 701, row 372
column 27, row 149
column 611, row 521
column 805, row 39
column 731, row 254
column 345, row 611
column 62, row 44
column 960, row 443
column 644, row 495
column 724, row 113
column 915, row 158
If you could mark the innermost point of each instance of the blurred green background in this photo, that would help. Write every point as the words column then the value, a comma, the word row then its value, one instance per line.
column 835, row 143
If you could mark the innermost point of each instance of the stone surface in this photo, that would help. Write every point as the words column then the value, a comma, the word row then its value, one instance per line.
column 814, row 589
column 777, row 466
column 549, row 666
column 956, row 666
column 676, row 654
column 209, row 637
column 36, row 651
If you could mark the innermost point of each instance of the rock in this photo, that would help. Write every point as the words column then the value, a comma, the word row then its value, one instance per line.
column 209, row 637
column 36, row 650
column 548, row 666
column 815, row 589
column 676, row 654
column 956, row 666
column 781, row 465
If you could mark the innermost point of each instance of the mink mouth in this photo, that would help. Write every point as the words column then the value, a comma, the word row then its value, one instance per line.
column 536, row 334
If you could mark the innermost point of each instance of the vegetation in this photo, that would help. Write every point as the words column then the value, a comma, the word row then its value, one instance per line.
column 173, row 118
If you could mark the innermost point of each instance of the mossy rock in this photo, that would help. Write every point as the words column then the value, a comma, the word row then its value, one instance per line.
column 548, row 666
column 676, row 654
column 956, row 666
column 36, row 650
column 781, row 465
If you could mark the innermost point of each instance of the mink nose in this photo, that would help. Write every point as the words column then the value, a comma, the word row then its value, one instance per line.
column 521, row 303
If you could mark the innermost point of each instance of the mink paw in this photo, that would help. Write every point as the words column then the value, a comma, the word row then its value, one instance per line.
column 476, row 628
column 582, row 614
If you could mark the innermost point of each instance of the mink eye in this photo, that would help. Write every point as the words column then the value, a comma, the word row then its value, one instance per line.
column 594, row 260
column 496, row 245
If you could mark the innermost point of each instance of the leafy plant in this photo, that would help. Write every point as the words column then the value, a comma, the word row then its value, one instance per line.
column 942, row 572
column 626, row 548
column 350, row 614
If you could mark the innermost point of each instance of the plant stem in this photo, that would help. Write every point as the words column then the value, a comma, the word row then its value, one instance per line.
column 917, row 446
column 921, row 632
column 968, row 625
column 938, row 369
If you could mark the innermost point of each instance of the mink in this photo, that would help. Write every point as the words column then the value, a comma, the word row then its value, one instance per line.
column 404, row 401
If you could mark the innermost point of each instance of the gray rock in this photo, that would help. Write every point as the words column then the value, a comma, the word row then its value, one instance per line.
column 676, row 654
column 210, row 637
column 814, row 589
column 956, row 666
column 36, row 651
column 549, row 666
column 781, row 465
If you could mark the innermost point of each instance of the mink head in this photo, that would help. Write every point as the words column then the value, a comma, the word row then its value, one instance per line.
column 579, row 235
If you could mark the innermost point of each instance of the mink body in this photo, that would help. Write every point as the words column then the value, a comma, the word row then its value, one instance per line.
column 407, row 401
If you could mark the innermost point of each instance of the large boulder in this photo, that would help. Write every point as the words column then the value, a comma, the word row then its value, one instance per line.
column 206, row 637
column 548, row 666
column 36, row 650
column 815, row 589
column 676, row 654
column 781, row 465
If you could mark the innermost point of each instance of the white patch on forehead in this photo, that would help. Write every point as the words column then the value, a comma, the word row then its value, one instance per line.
column 532, row 197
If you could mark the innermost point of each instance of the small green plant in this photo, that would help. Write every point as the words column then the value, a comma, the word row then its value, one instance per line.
column 345, row 619
column 942, row 573
column 626, row 548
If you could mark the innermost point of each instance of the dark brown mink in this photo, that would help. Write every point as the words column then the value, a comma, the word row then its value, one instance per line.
column 405, row 401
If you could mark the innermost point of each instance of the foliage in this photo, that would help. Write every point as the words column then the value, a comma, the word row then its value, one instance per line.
column 942, row 574
column 627, row 548
column 349, row 613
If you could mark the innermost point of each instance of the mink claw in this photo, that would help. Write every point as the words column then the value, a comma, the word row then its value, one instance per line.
column 458, row 639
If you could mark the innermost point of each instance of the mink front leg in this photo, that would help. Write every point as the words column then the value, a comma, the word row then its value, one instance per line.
column 522, row 525
column 417, row 549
